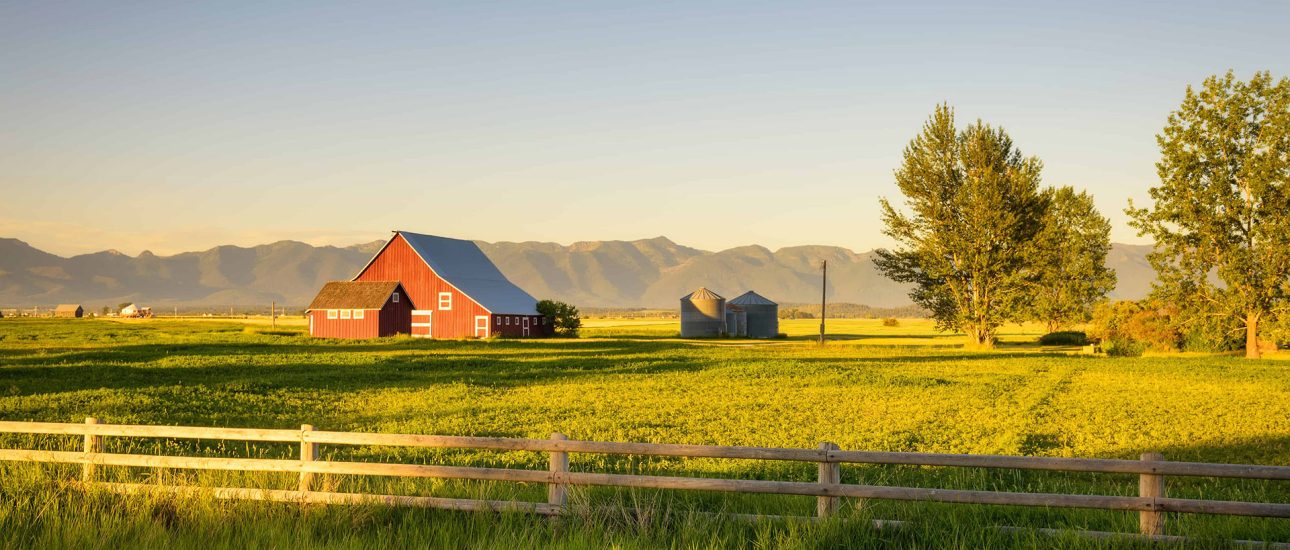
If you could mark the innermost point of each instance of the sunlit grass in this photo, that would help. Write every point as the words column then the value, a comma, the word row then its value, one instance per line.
column 904, row 388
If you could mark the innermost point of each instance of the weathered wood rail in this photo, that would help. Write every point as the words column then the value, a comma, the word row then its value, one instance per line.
column 1151, row 503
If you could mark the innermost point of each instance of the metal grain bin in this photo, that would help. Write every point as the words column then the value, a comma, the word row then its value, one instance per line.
column 761, row 315
column 703, row 314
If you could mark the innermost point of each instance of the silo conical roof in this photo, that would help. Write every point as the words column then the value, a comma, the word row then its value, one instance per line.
column 751, row 298
column 702, row 294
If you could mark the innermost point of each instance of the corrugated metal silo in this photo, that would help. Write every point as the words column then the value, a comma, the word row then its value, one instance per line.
column 762, row 315
column 703, row 314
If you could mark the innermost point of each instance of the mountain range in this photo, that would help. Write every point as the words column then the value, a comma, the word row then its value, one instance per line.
column 642, row 273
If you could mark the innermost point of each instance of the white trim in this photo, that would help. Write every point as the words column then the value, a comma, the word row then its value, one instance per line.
column 443, row 295
column 359, row 313
column 487, row 328
column 423, row 312
column 421, row 324
column 344, row 314
column 526, row 326
column 333, row 314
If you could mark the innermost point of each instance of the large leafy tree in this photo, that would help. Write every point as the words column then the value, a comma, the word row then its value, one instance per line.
column 1070, row 260
column 965, row 241
column 1222, row 208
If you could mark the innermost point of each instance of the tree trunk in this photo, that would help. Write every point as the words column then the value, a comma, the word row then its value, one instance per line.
column 1251, row 335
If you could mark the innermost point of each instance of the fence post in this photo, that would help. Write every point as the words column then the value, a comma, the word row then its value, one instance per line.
column 1152, row 486
column 558, row 493
column 93, row 444
column 308, row 453
column 830, row 473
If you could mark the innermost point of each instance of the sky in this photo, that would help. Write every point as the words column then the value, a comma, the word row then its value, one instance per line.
column 174, row 126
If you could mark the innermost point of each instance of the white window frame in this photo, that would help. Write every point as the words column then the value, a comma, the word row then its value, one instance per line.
column 445, row 298
column 333, row 314
column 395, row 297
column 499, row 320
column 345, row 314
column 508, row 320
column 482, row 326
column 358, row 314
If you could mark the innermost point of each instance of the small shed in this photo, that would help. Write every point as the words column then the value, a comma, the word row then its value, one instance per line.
column 134, row 310
column 703, row 314
column 360, row 309
column 69, row 310
column 761, row 315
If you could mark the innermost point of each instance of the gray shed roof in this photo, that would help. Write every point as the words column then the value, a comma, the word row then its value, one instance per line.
column 465, row 267
column 751, row 298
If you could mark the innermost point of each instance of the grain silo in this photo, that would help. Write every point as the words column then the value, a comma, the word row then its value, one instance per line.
column 703, row 314
column 762, row 315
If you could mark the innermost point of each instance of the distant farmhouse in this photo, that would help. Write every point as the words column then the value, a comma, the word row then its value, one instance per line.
column 455, row 290
column 134, row 310
column 69, row 310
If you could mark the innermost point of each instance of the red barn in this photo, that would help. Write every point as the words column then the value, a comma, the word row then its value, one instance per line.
column 459, row 291
column 347, row 309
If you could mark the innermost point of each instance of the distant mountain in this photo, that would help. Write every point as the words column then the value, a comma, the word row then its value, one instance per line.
column 649, row 273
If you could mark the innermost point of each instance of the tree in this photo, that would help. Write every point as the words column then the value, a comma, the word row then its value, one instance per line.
column 967, row 242
column 564, row 318
column 1222, row 208
column 1070, row 260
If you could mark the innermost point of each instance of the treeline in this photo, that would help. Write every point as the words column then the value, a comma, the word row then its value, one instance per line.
column 851, row 311
column 983, row 243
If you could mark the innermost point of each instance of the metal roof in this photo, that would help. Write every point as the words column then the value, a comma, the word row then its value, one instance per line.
column 702, row 294
column 67, row 308
column 354, row 294
column 751, row 298
column 464, row 266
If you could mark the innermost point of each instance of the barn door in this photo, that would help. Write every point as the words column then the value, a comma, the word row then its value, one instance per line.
column 422, row 320
column 526, row 326
column 481, row 326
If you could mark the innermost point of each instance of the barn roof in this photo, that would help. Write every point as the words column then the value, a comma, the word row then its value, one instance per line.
column 354, row 295
column 751, row 298
column 465, row 267
column 67, row 308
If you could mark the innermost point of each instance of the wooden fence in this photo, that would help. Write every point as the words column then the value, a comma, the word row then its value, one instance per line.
column 1152, row 503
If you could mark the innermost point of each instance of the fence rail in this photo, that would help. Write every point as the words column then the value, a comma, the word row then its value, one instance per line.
column 1151, row 503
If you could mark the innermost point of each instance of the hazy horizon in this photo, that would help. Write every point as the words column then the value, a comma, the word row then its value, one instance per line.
column 180, row 127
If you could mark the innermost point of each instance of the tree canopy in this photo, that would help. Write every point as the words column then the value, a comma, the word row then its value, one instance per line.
column 1222, row 208
column 1070, row 260
column 968, row 236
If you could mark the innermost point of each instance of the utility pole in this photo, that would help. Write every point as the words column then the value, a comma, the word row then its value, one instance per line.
column 273, row 313
column 824, row 296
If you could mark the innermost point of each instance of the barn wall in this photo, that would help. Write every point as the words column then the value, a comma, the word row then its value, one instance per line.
column 396, row 318
column 398, row 262
column 516, row 326
column 367, row 327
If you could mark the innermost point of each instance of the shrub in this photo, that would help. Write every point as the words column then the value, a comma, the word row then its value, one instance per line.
column 1213, row 334
column 1123, row 347
column 1064, row 338
column 1130, row 325
column 564, row 318
column 890, row 322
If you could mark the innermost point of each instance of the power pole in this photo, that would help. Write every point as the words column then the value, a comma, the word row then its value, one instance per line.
column 824, row 296
column 273, row 313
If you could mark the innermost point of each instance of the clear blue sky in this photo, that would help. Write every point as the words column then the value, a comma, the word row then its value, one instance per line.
column 175, row 126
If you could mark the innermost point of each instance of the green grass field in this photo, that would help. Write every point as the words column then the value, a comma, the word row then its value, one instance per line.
column 905, row 388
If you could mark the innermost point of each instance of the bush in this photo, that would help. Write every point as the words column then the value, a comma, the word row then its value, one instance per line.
column 1212, row 334
column 1134, row 327
column 890, row 322
column 1064, row 338
column 564, row 318
column 1123, row 347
